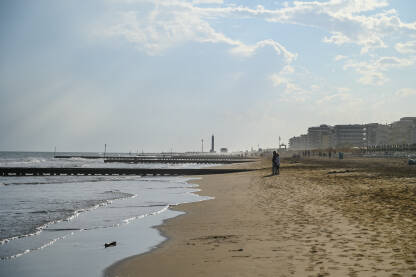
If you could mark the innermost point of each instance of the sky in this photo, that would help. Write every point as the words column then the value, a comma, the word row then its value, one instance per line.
column 151, row 75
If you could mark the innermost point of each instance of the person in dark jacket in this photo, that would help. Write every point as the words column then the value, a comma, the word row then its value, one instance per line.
column 276, row 163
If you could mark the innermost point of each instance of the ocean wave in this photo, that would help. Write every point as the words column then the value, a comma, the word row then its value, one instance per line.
column 74, row 214
column 49, row 243
column 30, row 180
column 128, row 220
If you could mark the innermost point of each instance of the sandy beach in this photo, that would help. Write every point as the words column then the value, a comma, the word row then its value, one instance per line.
column 355, row 217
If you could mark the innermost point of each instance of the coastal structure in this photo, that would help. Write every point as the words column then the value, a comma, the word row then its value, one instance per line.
column 377, row 134
column 402, row 132
column 320, row 137
column 212, row 145
column 224, row 150
column 85, row 171
column 351, row 135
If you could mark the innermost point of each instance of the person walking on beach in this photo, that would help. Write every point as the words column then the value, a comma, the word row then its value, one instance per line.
column 276, row 163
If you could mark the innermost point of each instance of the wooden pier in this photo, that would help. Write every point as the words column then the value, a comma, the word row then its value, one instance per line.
column 165, row 158
column 177, row 159
column 52, row 171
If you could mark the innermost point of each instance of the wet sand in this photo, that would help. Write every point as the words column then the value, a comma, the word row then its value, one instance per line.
column 355, row 217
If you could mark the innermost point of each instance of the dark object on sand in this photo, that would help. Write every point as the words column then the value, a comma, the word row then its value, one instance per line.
column 343, row 171
column 110, row 244
column 411, row 162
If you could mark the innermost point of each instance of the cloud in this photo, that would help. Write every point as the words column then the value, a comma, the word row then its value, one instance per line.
column 406, row 47
column 367, row 24
column 248, row 50
column 171, row 23
column 372, row 72
column 338, row 97
column 207, row 1
column 337, row 38
column 292, row 90
column 348, row 21
column 343, row 90
column 405, row 92
column 339, row 58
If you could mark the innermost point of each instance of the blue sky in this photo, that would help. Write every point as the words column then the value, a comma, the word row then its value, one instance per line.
column 162, row 75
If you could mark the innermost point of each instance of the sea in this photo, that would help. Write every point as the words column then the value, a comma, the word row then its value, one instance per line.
column 58, row 225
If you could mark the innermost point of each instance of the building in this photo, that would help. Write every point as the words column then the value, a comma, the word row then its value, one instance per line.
column 224, row 150
column 403, row 131
column 299, row 143
column 212, row 145
column 321, row 137
column 371, row 133
column 351, row 135
column 377, row 134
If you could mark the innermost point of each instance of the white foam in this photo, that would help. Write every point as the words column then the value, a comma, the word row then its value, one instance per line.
column 27, row 251
column 76, row 213
column 129, row 220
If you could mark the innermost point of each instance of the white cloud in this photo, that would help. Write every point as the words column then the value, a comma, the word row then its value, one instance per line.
column 315, row 87
column 347, row 21
column 406, row 47
column 339, row 58
column 338, row 97
column 372, row 72
column 278, row 80
column 207, row 1
column 365, row 23
column 337, row 38
column 288, row 69
column 284, row 79
column 248, row 50
column 343, row 90
column 405, row 92
column 171, row 23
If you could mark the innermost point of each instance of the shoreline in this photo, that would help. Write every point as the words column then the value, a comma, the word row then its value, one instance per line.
column 113, row 268
column 318, row 218
column 81, row 240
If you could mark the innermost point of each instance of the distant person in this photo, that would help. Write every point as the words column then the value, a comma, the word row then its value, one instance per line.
column 274, row 168
column 276, row 163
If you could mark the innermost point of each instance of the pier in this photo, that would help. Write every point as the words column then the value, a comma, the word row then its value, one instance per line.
column 178, row 159
column 165, row 158
column 52, row 171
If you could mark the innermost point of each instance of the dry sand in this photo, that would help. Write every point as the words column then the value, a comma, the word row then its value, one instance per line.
column 318, row 218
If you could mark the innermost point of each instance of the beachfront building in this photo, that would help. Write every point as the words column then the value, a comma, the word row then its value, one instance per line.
column 299, row 143
column 377, row 134
column 403, row 131
column 351, row 135
column 321, row 137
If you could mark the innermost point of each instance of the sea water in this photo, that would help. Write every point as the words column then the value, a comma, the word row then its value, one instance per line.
column 58, row 225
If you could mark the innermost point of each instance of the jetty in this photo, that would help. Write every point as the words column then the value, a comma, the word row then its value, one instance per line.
column 52, row 171
column 170, row 159
column 178, row 159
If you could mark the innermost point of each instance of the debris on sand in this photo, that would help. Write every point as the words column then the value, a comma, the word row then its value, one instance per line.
column 113, row 243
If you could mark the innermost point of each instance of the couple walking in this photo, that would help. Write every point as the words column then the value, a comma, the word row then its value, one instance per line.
column 276, row 163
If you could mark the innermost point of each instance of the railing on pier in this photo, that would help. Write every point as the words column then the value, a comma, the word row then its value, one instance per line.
column 177, row 159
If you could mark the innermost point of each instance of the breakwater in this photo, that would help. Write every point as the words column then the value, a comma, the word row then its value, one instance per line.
column 51, row 171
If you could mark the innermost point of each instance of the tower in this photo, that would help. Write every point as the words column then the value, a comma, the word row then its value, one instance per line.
column 212, row 144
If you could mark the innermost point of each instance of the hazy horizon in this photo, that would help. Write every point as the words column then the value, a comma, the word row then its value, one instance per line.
column 162, row 75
